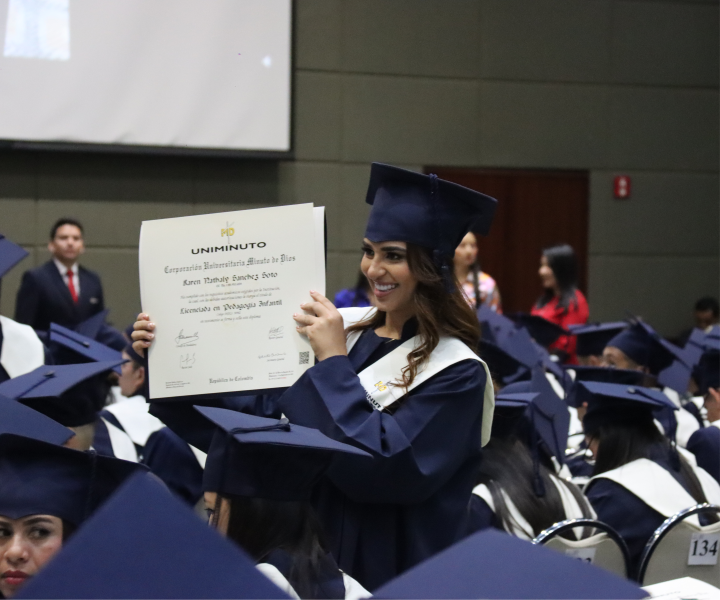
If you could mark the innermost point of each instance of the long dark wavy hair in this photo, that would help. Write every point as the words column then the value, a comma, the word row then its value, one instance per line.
column 438, row 312
column 622, row 443
column 507, row 465
column 561, row 259
column 260, row 525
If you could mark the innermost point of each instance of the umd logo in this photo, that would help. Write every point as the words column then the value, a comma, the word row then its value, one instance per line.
column 228, row 231
column 381, row 387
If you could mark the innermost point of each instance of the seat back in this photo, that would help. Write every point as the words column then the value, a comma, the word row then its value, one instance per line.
column 599, row 544
column 680, row 549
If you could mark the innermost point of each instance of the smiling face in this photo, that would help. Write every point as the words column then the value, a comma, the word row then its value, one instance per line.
column 25, row 546
column 67, row 245
column 547, row 277
column 386, row 267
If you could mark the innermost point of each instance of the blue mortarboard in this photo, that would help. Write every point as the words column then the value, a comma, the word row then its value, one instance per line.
column 550, row 415
column 494, row 325
column 97, row 329
column 643, row 344
column 18, row 419
column 70, row 394
column 502, row 366
column 491, row 564
column 677, row 375
column 625, row 377
column 71, row 344
column 544, row 332
column 424, row 210
column 266, row 458
column 510, row 408
column 518, row 344
column 41, row 478
column 10, row 254
column 145, row 543
column 617, row 403
column 707, row 371
column 593, row 337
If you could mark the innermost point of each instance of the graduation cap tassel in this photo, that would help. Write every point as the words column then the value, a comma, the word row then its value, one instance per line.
column 91, row 484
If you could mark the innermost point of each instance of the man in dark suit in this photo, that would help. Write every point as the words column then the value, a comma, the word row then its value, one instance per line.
column 60, row 291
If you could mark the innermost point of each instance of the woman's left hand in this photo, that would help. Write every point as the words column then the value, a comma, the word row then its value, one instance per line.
column 324, row 327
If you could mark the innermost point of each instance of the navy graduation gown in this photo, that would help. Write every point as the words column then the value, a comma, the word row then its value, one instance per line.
column 411, row 500
column 705, row 445
column 328, row 584
column 171, row 459
column 481, row 516
column 627, row 514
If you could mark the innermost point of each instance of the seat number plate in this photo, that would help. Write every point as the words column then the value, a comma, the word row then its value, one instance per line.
column 704, row 549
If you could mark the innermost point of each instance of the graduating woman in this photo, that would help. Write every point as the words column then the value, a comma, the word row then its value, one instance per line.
column 258, row 479
column 640, row 478
column 400, row 381
column 519, row 488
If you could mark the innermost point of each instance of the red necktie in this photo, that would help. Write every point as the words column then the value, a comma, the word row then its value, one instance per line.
column 71, row 286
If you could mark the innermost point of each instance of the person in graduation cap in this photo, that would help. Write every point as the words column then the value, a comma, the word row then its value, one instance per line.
column 705, row 442
column 400, row 380
column 21, row 350
column 562, row 302
column 72, row 395
column 519, row 489
column 258, row 479
column 640, row 479
column 46, row 492
column 640, row 348
column 591, row 339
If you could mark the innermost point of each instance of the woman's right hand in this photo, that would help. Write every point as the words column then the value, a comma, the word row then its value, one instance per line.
column 143, row 333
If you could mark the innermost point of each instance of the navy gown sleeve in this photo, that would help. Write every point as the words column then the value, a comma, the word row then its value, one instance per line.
column 705, row 445
column 415, row 451
column 634, row 520
column 481, row 516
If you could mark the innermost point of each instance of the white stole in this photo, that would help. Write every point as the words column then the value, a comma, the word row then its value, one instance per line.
column 132, row 414
column 22, row 351
column 376, row 379
column 121, row 443
column 657, row 488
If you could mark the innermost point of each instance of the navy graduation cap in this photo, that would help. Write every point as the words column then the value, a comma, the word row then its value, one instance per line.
column 502, row 365
column 593, row 337
column 544, row 332
column 707, row 371
column 266, row 458
column 424, row 210
column 97, row 329
column 677, row 375
column 618, row 403
column 518, row 344
column 70, row 394
column 37, row 477
column 550, row 415
column 494, row 325
column 10, row 254
column 643, row 344
column 604, row 375
column 73, row 347
column 145, row 543
column 491, row 564
column 18, row 419
column 510, row 406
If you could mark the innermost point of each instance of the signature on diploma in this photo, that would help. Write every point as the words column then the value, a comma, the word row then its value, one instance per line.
column 186, row 340
column 187, row 360
column 276, row 333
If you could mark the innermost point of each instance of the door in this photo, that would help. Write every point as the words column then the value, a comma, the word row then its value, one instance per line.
column 536, row 209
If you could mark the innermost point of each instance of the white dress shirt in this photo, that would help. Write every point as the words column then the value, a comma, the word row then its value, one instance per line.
column 63, row 273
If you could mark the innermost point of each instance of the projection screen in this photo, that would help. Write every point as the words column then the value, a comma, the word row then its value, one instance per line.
column 193, row 74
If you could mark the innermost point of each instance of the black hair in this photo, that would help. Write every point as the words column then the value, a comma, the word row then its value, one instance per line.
column 623, row 442
column 65, row 221
column 561, row 259
column 708, row 303
column 507, row 465
column 260, row 525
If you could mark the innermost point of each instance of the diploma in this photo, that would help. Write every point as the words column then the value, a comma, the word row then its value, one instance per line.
column 221, row 290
